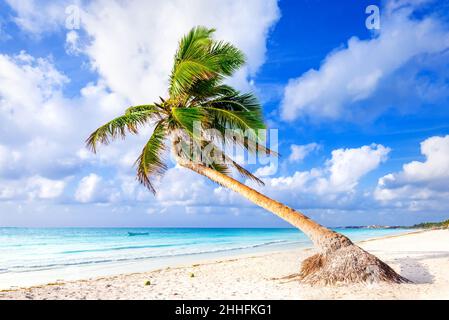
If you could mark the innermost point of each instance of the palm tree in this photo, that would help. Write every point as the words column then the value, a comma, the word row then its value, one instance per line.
column 197, row 95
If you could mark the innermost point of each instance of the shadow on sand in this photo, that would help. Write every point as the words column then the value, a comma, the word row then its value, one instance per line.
column 413, row 268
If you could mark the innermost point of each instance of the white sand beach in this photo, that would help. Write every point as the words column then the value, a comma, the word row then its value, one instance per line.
column 421, row 256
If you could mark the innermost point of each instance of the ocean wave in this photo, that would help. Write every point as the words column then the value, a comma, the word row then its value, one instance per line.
column 39, row 267
column 120, row 248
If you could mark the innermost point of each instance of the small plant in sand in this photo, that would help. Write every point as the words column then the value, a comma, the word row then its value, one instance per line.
column 197, row 94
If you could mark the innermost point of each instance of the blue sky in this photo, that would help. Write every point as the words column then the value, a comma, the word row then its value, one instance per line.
column 362, row 113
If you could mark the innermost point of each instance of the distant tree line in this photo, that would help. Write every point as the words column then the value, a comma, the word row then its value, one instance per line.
column 432, row 225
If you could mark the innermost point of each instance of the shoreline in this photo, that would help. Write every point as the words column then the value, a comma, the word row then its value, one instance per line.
column 190, row 260
column 82, row 271
column 253, row 276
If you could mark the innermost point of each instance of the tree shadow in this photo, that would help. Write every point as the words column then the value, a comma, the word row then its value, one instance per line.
column 413, row 269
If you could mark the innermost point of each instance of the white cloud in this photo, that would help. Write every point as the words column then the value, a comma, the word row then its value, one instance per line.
column 266, row 171
column 147, row 43
column 72, row 45
column 145, row 40
column 420, row 184
column 24, row 73
column 32, row 188
column 300, row 152
column 8, row 160
column 192, row 189
column 43, row 188
column 347, row 166
column 43, row 127
column 333, row 185
column 341, row 173
column 37, row 16
column 87, row 188
column 354, row 73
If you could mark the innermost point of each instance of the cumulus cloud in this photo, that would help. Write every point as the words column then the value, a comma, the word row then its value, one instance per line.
column 8, row 160
column 87, row 188
column 191, row 190
column 340, row 174
column 43, row 188
column 420, row 184
column 334, row 185
column 42, row 128
column 32, row 188
column 42, row 134
column 145, row 40
column 36, row 17
column 96, row 189
column 300, row 152
column 72, row 43
column 347, row 166
column 267, row 171
column 351, row 75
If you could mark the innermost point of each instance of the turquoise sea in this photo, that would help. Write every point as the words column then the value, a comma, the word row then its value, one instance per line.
column 32, row 254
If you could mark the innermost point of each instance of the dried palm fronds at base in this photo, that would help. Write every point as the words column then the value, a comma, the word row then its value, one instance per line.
column 348, row 264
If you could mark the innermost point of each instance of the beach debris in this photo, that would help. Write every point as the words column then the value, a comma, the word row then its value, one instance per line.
column 147, row 283
column 192, row 275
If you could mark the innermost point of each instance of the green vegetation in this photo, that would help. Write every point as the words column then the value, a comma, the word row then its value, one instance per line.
column 432, row 225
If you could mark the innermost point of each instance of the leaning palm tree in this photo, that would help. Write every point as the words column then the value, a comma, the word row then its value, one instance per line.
column 197, row 114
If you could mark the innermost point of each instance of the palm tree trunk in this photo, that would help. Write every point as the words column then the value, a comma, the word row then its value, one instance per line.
column 339, row 259
column 321, row 237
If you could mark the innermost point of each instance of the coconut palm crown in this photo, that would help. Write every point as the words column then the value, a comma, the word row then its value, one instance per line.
column 197, row 95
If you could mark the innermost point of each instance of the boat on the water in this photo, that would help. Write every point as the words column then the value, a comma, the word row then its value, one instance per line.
column 133, row 234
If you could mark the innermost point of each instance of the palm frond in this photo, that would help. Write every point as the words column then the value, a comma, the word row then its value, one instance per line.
column 245, row 173
column 187, row 118
column 242, row 114
column 235, row 111
column 253, row 146
column 201, row 58
column 220, row 167
column 192, row 63
column 197, row 36
column 240, row 169
column 203, row 91
column 228, row 57
column 150, row 163
column 118, row 128
column 240, row 120
column 248, row 141
column 233, row 100
column 188, row 72
column 143, row 108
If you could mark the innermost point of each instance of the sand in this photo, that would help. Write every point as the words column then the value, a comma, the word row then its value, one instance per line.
column 422, row 257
